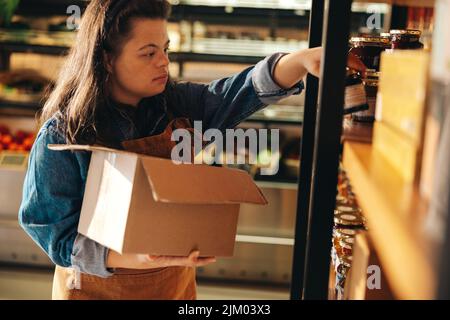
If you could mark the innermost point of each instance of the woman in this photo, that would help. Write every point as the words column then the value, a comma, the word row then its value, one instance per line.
column 114, row 87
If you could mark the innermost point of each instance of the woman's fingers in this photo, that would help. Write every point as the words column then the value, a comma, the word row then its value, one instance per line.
column 193, row 260
column 205, row 261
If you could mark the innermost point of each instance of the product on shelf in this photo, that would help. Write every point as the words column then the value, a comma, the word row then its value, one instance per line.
column 355, row 95
column 348, row 217
column 403, row 90
column 19, row 141
column 22, row 85
column 406, row 39
column 370, row 81
column 348, row 221
column 369, row 49
column 342, row 267
column 421, row 18
column 347, row 246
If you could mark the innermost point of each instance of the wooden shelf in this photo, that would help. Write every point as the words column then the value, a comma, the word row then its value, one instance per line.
column 395, row 213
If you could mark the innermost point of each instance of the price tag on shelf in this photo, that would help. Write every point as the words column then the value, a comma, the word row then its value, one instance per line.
column 13, row 160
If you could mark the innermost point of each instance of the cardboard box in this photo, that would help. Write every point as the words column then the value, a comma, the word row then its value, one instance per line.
column 403, row 91
column 142, row 204
column 399, row 150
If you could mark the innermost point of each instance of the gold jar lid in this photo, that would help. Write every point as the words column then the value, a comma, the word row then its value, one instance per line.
column 347, row 243
column 370, row 40
column 353, row 218
column 407, row 31
column 345, row 233
column 348, row 209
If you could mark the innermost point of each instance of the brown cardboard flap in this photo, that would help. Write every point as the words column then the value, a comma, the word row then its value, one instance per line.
column 79, row 147
column 199, row 184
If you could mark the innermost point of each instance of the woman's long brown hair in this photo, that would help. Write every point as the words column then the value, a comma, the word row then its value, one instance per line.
column 80, row 95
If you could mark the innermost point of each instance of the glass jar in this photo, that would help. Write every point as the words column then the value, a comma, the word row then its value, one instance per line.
column 386, row 35
column 349, row 217
column 370, row 81
column 355, row 95
column 343, row 265
column 343, row 233
column 347, row 246
column 406, row 39
column 369, row 50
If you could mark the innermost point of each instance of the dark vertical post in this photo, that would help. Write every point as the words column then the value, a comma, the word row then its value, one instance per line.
column 306, row 156
column 327, row 146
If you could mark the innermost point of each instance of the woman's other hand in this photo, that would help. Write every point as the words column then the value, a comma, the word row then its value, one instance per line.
column 145, row 261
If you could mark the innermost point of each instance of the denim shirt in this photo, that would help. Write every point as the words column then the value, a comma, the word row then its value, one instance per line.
column 55, row 181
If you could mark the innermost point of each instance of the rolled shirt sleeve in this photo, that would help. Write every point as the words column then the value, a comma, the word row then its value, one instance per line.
column 268, row 91
column 226, row 102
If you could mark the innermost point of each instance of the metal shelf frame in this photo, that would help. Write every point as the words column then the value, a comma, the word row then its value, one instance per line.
column 320, row 151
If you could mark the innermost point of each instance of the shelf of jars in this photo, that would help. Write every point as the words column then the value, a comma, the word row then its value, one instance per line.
column 395, row 213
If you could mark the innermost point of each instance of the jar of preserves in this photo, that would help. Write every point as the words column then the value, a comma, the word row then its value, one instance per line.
column 370, row 81
column 386, row 35
column 349, row 217
column 355, row 95
column 406, row 39
column 342, row 233
column 343, row 265
column 369, row 49
column 347, row 246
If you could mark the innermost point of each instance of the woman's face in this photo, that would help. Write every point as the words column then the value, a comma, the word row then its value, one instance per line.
column 142, row 67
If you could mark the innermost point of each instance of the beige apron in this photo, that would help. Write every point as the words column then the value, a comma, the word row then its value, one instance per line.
column 171, row 283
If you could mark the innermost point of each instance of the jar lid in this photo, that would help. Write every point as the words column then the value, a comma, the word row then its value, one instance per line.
column 347, row 209
column 370, row 39
column 349, row 219
column 340, row 199
column 408, row 32
column 347, row 243
column 345, row 233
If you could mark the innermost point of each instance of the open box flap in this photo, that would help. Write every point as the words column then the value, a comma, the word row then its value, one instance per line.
column 199, row 184
column 79, row 147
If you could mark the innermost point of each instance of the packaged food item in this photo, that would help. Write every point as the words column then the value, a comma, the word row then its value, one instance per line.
column 341, row 244
column 370, row 82
column 343, row 266
column 369, row 49
column 347, row 245
column 348, row 216
column 355, row 95
column 406, row 39
column 344, row 233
